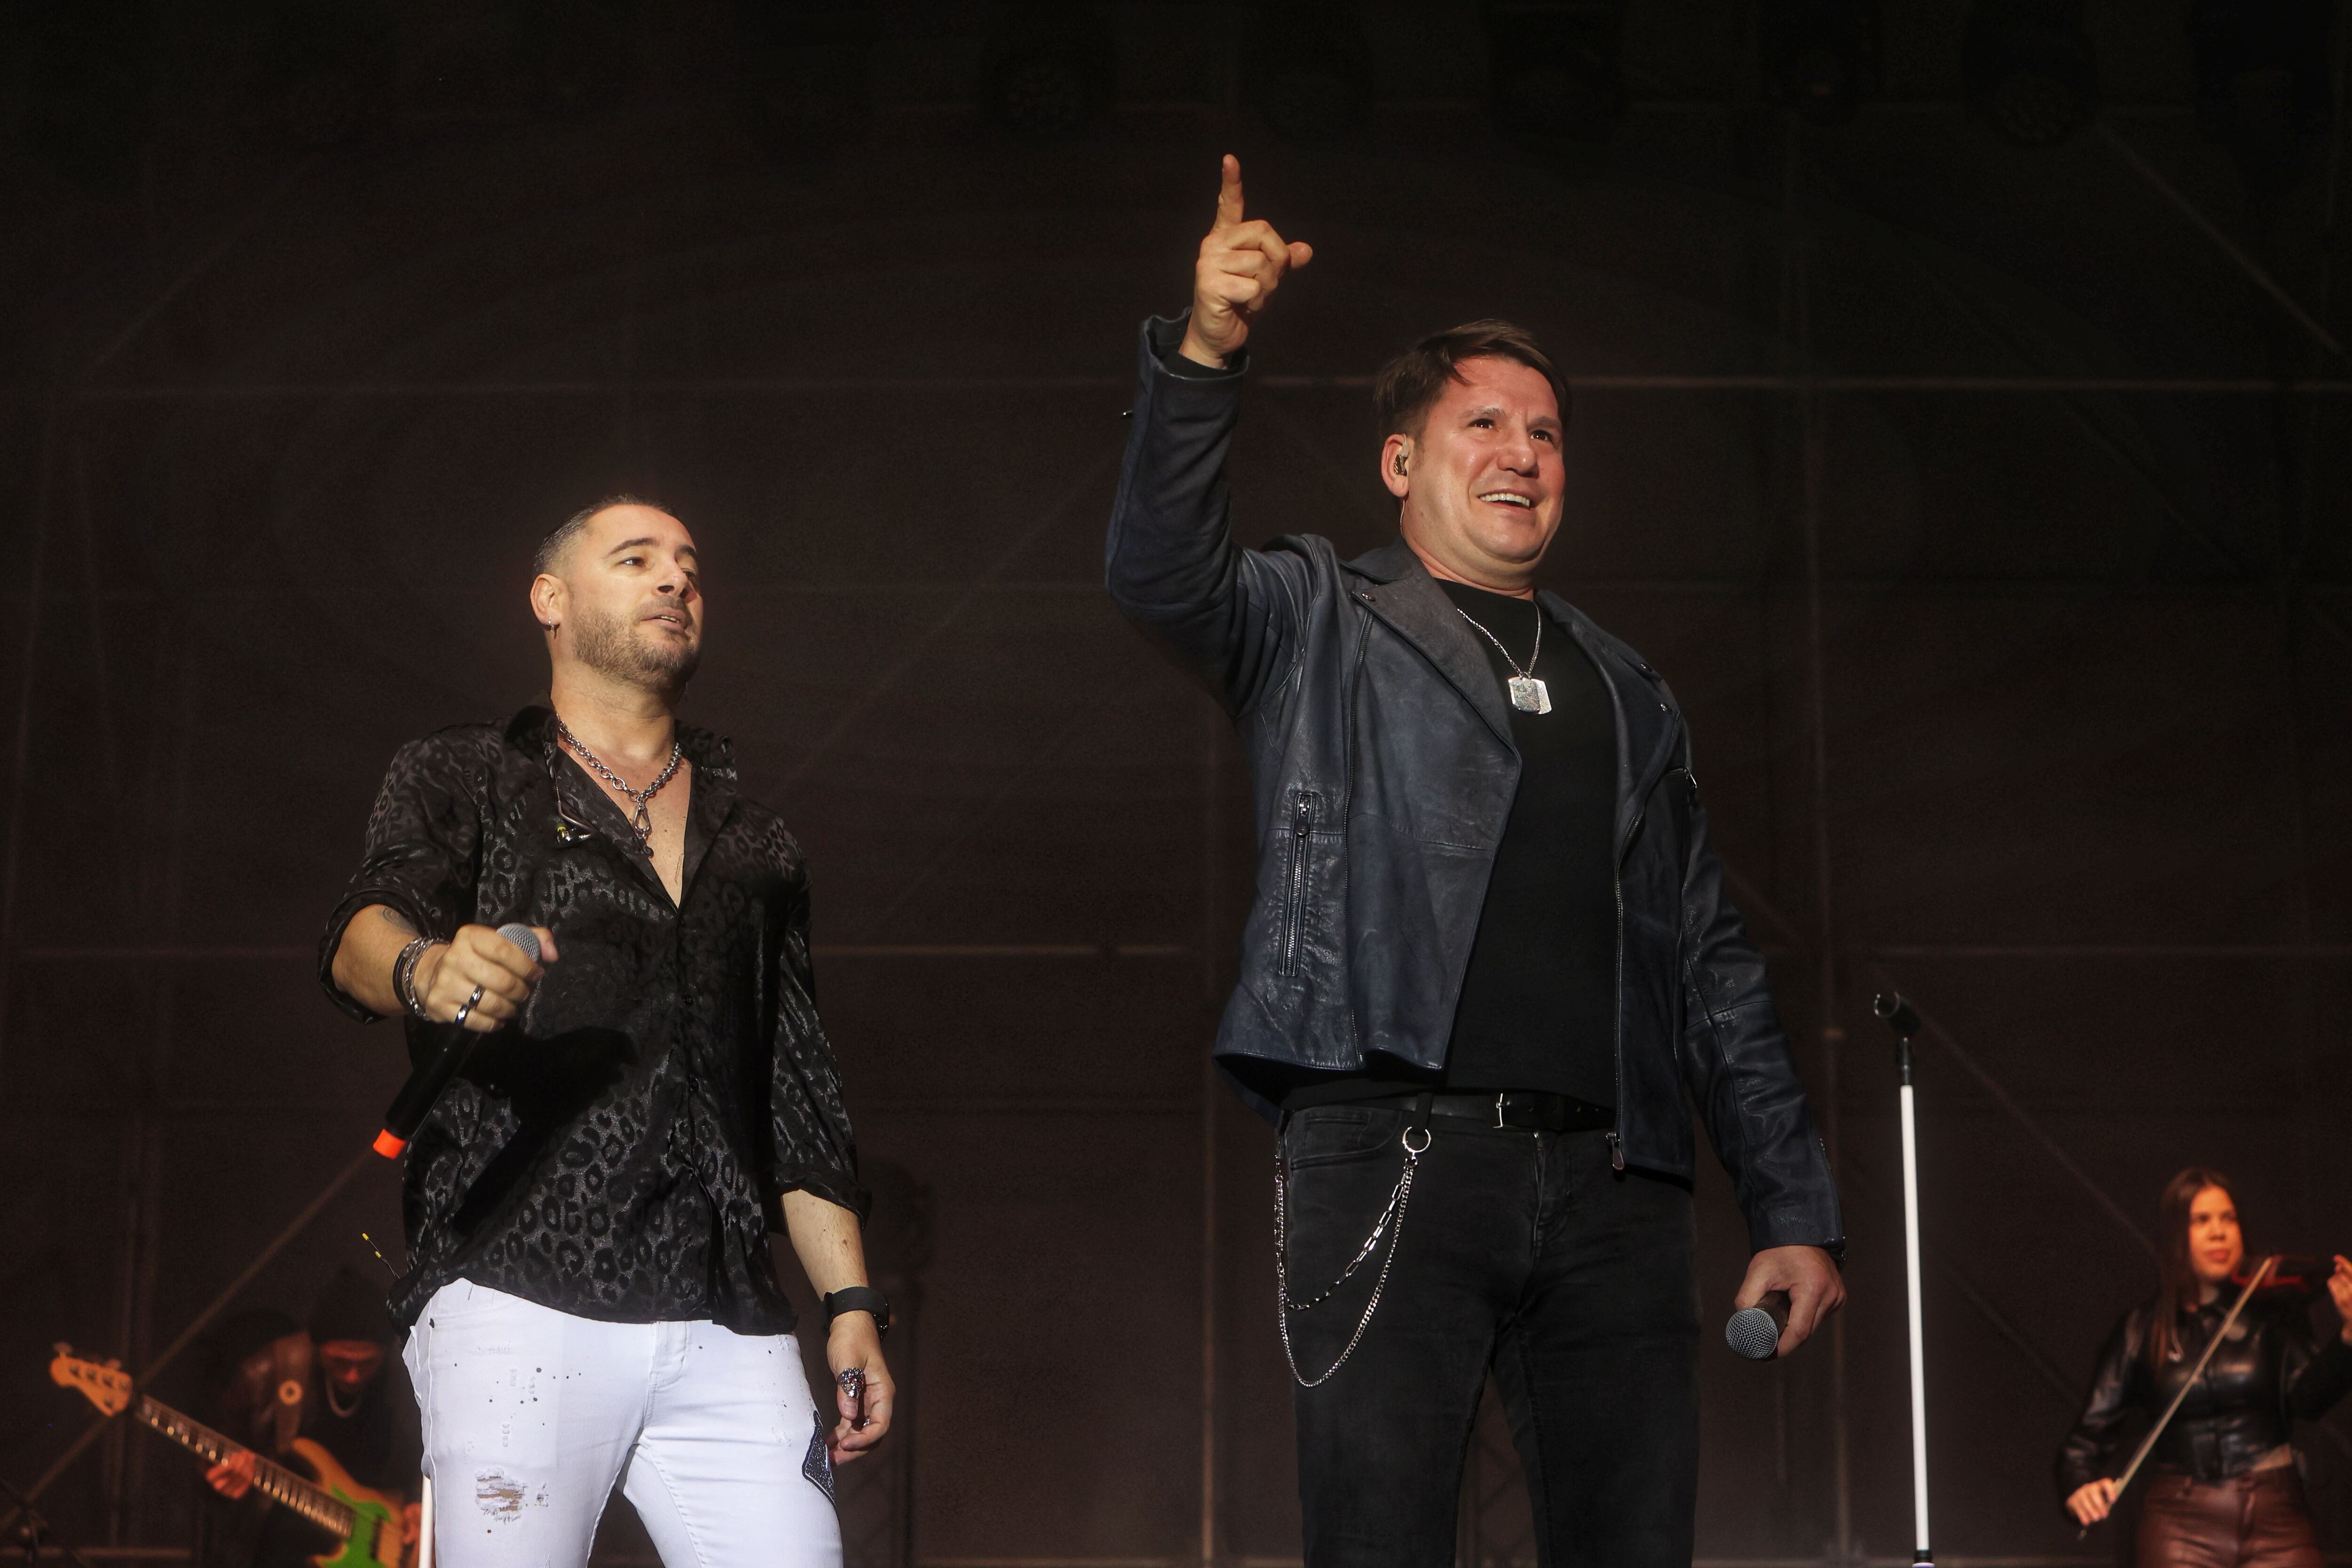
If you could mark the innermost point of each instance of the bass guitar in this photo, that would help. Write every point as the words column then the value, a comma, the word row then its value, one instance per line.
column 365, row 1523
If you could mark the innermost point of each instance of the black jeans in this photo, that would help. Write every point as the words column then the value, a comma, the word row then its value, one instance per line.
column 1522, row 1251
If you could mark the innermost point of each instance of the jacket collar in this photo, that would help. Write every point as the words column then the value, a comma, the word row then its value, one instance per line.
column 533, row 731
column 1403, row 594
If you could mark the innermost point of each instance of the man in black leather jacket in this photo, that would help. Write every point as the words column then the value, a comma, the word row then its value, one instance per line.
column 1489, row 956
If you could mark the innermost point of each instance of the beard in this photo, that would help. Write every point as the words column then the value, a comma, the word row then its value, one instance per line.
column 615, row 646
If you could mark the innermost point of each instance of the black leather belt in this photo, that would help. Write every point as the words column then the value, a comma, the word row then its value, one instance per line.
column 1530, row 1109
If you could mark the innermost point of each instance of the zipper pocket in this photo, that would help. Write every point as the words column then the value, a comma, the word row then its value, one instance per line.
column 1616, row 1150
column 1294, row 918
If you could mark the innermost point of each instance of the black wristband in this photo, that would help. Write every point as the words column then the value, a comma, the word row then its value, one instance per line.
column 859, row 1299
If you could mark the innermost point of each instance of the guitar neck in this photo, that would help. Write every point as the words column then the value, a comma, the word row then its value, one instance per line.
column 273, row 1480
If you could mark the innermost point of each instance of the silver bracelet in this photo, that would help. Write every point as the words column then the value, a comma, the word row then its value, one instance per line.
column 404, row 975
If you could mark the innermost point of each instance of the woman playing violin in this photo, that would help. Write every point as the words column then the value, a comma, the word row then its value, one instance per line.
column 2222, row 1490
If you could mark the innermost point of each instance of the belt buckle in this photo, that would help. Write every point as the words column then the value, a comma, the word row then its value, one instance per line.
column 1498, row 1107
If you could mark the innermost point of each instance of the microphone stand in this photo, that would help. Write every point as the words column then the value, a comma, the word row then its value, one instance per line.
column 36, row 1529
column 1904, row 1019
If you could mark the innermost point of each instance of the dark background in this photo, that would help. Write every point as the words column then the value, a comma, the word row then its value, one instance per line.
column 1960, row 428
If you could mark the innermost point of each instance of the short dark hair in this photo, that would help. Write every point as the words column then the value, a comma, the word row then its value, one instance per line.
column 552, row 548
column 1408, row 385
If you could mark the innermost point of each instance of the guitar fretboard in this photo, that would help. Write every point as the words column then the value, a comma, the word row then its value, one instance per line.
column 274, row 1481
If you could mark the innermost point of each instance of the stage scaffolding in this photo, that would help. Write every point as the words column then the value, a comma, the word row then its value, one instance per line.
column 63, row 613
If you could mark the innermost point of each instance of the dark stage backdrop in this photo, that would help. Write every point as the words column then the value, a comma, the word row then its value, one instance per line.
column 1958, row 487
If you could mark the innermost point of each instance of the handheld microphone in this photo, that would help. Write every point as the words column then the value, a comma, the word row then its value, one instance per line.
column 433, row 1075
column 1755, row 1332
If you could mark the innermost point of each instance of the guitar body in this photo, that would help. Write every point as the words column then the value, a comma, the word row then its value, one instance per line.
column 375, row 1540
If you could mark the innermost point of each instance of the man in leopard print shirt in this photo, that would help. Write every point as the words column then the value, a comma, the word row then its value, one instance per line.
column 589, row 1297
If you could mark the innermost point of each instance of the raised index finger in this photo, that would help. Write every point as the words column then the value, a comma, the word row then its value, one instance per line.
column 1228, row 194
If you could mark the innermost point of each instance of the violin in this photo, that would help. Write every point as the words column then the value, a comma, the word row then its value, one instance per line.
column 2294, row 1277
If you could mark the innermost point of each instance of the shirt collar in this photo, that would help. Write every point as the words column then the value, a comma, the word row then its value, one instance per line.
column 714, row 798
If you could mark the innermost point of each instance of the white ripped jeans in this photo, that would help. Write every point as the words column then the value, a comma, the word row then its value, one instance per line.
column 530, row 1415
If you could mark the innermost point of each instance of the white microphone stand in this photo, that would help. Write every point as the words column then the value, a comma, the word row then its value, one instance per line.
column 1905, row 1021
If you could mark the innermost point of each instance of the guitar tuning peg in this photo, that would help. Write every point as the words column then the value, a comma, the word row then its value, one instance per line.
column 62, row 1348
column 114, row 1364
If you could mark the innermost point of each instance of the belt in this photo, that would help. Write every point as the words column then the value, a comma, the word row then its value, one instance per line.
column 1531, row 1108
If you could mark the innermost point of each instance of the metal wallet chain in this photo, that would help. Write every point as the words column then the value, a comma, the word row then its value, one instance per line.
column 1393, row 1215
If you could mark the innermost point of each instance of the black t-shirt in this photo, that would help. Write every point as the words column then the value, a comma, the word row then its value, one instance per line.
column 1540, row 1000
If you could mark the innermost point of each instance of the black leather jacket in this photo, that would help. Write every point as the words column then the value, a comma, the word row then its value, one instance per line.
column 2265, row 1374
column 1384, row 769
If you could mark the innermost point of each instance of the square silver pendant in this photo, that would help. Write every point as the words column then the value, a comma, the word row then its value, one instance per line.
column 1530, row 695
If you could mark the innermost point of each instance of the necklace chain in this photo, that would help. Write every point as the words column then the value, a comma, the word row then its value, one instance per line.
column 1533, row 655
column 642, row 823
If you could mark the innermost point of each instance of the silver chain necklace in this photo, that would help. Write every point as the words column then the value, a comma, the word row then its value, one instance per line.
column 642, row 824
column 337, row 1406
column 1528, row 695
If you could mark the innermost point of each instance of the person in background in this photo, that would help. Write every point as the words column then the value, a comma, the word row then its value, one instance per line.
column 2222, row 1488
column 366, row 1420
column 248, row 1361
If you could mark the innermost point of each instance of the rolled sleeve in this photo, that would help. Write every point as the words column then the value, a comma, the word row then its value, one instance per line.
column 812, row 1148
column 422, row 838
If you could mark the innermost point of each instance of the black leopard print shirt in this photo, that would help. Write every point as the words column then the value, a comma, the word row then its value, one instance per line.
column 617, row 1154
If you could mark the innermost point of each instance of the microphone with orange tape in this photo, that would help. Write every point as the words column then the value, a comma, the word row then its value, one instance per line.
column 425, row 1084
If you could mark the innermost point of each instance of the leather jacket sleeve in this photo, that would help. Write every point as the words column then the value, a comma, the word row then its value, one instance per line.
column 2089, row 1450
column 1735, row 1061
column 1230, row 616
column 2313, row 1379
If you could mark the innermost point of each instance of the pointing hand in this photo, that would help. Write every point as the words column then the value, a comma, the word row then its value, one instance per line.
column 1241, row 264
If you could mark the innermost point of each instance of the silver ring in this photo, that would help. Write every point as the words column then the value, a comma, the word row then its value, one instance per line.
column 463, row 1011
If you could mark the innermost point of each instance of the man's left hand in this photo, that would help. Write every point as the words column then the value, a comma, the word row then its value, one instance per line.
column 1815, row 1289
column 856, row 1345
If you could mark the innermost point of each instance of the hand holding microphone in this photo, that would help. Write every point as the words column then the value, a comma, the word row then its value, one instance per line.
column 480, row 980
column 1755, row 1332
column 1789, row 1292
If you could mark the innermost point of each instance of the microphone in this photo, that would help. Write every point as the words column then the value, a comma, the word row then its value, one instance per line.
column 426, row 1081
column 1755, row 1332
column 1898, row 1014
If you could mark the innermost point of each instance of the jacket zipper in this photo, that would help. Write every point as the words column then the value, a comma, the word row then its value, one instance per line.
column 1301, row 825
column 1617, row 886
